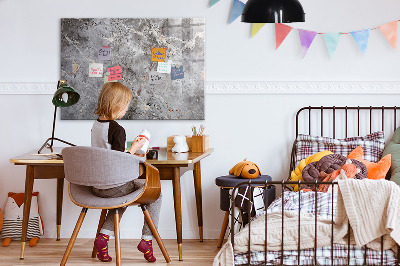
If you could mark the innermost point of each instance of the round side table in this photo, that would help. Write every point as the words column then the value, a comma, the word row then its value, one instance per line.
column 226, row 183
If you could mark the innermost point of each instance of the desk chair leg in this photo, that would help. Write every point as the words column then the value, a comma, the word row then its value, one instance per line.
column 154, row 230
column 117, row 238
column 73, row 237
column 101, row 222
column 223, row 229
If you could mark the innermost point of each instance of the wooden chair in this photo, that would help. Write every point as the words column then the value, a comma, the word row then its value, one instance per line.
column 85, row 167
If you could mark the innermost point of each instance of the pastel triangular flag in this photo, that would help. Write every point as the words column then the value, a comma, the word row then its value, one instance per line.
column 389, row 30
column 281, row 31
column 213, row 2
column 237, row 9
column 306, row 39
column 332, row 41
column 256, row 28
column 361, row 37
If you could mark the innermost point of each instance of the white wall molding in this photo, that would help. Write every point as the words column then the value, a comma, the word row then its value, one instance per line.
column 249, row 87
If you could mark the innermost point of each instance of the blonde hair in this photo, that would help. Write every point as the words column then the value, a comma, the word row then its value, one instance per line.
column 112, row 100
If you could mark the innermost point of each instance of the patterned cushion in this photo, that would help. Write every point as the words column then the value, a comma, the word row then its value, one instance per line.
column 372, row 144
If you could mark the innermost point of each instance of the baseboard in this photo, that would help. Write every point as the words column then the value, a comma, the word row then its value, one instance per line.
column 248, row 87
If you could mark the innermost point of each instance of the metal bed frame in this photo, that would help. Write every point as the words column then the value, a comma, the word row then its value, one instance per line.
column 283, row 184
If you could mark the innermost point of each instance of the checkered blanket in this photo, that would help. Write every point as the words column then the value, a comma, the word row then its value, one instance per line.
column 324, row 206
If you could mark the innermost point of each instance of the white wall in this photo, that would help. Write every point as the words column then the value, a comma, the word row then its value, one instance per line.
column 259, row 127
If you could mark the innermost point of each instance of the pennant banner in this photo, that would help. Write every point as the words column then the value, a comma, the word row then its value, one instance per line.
column 389, row 30
column 256, row 28
column 213, row 2
column 361, row 38
column 332, row 41
column 306, row 39
column 281, row 31
column 237, row 9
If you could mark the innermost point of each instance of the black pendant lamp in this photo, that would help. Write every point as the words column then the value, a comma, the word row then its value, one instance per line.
column 273, row 11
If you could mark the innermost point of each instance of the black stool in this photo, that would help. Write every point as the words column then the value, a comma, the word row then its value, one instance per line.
column 226, row 183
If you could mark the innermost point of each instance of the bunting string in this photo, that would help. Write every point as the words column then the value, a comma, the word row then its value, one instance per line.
column 361, row 37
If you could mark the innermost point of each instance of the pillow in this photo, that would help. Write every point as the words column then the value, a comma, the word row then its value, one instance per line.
column 375, row 170
column 393, row 148
column 372, row 144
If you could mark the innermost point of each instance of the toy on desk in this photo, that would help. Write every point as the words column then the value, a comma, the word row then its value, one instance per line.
column 245, row 169
column 13, row 215
column 144, row 134
column 180, row 144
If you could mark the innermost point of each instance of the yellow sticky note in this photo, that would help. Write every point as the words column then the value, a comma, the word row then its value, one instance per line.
column 158, row 54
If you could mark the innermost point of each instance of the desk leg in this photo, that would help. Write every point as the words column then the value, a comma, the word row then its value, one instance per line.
column 199, row 204
column 60, row 190
column 27, row 206
column 176, row 182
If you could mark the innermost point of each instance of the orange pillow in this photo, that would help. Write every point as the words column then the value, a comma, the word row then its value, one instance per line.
column 375, row 170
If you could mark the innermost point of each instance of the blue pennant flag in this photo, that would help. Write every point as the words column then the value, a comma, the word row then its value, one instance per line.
column 361, row 38
column 213, row 2
column 332, row 41
column 237, row 9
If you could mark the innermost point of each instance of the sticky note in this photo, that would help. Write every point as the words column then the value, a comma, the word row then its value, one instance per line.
column 177, row 73
column 155, row 78
column 158, row 54
column 164, row 67
column 95, row 70
column 104, row 53
column 115, row 73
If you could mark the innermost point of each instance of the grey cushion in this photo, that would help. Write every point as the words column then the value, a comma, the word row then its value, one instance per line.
column 393, row 148
column 83, row 195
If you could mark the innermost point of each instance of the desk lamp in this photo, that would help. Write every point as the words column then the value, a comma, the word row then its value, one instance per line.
column 64, row 96
column 273, row 11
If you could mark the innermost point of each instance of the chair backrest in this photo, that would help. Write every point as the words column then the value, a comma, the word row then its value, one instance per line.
column 92, row 166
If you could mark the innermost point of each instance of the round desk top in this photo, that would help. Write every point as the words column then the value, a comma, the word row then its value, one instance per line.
column 230, row 181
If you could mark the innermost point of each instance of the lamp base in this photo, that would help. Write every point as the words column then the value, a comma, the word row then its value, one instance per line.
column 50, row 146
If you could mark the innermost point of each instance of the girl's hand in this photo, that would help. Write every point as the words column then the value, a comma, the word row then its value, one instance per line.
column 137, row 144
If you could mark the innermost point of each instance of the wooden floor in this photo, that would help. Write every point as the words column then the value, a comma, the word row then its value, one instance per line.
column 50, row 252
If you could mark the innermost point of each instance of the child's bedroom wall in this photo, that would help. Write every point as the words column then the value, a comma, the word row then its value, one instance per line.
column 254, row 126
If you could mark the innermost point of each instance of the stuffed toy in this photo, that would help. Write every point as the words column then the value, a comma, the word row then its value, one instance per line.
column 296, row 174
column 13, row 215
column 180, row 144
column 375, row 170
column 245, row 169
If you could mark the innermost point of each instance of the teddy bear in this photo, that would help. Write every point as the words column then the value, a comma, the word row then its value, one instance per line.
column 180, row 144
column 245, row 169
column 13, row 215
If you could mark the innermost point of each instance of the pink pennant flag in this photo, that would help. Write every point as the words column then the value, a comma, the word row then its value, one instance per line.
column 389, row 30
column 306, row 39
column 281, row 31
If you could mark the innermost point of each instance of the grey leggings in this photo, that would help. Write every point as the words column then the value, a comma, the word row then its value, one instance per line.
column 154, row 208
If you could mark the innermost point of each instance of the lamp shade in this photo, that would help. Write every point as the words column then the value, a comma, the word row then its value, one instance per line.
column 273, row 11
column 65, row 96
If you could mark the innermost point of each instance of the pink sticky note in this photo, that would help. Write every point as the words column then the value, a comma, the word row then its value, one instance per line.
column 115, row 73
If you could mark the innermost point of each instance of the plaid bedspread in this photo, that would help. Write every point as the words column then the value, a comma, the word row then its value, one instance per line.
column 307, row 202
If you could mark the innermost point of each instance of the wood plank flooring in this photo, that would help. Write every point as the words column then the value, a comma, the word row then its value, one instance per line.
column 50, row 252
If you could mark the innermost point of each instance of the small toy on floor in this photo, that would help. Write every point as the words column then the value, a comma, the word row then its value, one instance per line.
column 13, row 215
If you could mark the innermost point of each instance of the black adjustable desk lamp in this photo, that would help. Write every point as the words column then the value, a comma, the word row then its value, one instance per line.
column 64, row 96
